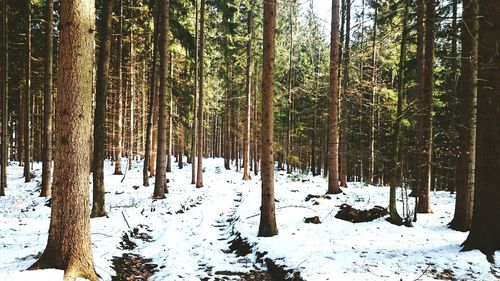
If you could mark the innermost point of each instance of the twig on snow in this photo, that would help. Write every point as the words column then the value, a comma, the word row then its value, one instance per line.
column 423, row 272
column 126, row 220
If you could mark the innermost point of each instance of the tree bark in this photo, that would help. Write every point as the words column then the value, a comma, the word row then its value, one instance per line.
column 248, row 90
column 467, row 107
column 345, row 86
column 333, row 93
column 119, row 93
column 102, row 79
column 161, row 154
column 27, row 98
column 267, row 225
column 199, row 129
column 4, row 99
column 485, row 231
column 424, row 205
column 69, row 242
column 195, row 95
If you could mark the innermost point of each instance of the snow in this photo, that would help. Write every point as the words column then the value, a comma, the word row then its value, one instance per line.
column 190, row 230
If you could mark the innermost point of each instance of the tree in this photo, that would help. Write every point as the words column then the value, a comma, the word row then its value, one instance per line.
column 467, row 106
column 424, row 205
column 102, row 77
column 345, row 86
column 27, row 98
column 333, row 93
column 485, row 231
column 248, row 91
column 47, row 102
column 4, row 100
column 195, row 95
column 161, row 154
column 199, row 129
column 119, row 94
column 69, row 242
column 267, row 225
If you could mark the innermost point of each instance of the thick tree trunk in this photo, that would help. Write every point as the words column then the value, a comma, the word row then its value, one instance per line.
column 333, row 93
column 69, row 243
column 485, row 231
column 248, row 90
column 467, row 107
column 27, row 98
column 267, row 225
column 424, row 205
column 199, row 129
column 119, row 93
column 161, row 154
column 102, row 77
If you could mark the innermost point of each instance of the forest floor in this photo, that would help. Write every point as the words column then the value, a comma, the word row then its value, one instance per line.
column 210, row 233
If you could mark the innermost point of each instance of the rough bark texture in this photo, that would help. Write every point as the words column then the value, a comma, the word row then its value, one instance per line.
column 102, row 76
column 343, row 110
column 333, row 93
column 467, row 107
column 199, row 132
column 267, row 225
column 69, row 243
column 119, row 93
column 161, row 154
column 485, row 230
column 424, row 205
column 27, row 98
column 248, row 90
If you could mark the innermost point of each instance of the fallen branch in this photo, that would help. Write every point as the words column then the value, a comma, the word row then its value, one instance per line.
column 126, row 221
column 423, row 272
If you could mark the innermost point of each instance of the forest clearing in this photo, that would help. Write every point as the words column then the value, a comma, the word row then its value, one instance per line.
column 249, row 140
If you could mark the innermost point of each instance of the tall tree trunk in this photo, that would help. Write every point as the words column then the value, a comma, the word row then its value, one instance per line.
column 4, row 100
column 119, row 93
column 195, row 94
column 199, row 129
column 467, row 107
column 170, row 119
column 47, row 102
column 333, row 92
column 131, row 97
column 373, row 105
column 424, row 205
column 69, row 243
column 161, row 154
column 148, row 150
column 485, row 231
column 102, row 79
column 395, row 172
column 27, row 98
column 267, row 225
column 248, row 90
column 344, row 105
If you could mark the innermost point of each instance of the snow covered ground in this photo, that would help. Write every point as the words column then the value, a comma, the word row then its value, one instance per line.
column 186, row 235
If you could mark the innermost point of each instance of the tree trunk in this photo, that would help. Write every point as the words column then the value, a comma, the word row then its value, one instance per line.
column 343, row 110
column 119, row 93
column 373, row 105
column 195, row 94
column 27, row 98
column 395, row 179
column 149, row 148
column 248, row 90
column 467, row 107
column 131, row 97
column 102, row 77
column 485, row 231
column 170, row 107
column 161, row 154
column 267, row 225
column 424, row 205
column 333, row 92
column 69, row 243
column 4, row 100
column 199, row 129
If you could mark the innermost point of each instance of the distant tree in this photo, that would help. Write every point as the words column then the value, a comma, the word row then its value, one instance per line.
column 333, row 92
column 248, row 91
column 199, row 129
column 4, row 100
column 161, row 154
column 267, row 225
column 119, row 94
column 102, row 77
column 69, row 242
column 27, row 97
column 485, row 231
